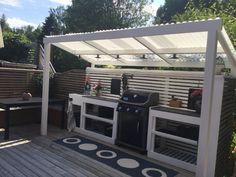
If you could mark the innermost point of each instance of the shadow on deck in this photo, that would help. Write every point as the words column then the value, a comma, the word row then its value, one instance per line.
column 29, row 154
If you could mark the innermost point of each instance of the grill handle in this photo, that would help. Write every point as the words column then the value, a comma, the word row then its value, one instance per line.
column 138, row 127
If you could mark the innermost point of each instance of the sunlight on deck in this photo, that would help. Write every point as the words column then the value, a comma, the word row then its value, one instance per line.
column 11, row 143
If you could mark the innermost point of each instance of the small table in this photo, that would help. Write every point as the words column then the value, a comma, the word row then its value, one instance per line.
column 8, row 103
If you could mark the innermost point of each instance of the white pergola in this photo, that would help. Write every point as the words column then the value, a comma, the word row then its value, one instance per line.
column 1, row 39
column 149, row 46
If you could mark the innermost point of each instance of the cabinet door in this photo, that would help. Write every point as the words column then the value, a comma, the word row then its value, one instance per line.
column 99, row 127
column 129, row 129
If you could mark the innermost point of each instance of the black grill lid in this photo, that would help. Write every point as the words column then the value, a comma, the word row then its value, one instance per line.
column 140, row 98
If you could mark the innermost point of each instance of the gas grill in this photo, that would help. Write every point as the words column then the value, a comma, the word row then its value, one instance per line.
column 133, row 109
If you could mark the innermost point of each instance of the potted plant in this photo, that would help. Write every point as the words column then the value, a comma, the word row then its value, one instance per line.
column 98, row 88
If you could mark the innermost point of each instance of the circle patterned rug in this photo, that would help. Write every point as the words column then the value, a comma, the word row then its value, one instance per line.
column 119, row 160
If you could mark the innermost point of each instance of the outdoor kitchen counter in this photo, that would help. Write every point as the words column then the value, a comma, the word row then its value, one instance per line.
column 176, row 111
column 98, row 117
column 102, row 98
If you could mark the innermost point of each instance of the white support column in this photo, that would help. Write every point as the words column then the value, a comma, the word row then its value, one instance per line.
column 215, row 124
column 46, row 69
column 209, row 75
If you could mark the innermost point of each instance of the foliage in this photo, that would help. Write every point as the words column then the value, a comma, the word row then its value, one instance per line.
column 29, row 31
column 233, row 145
column 50, row 27
column 3, row 23
column 16, row 47
column 20, row 43
column 172, row 7
column 169, row 9
column 59, row 15
column 33, row 35
column 132, row 12
column 37, row 84
column 86, row 16
column 223, row 9
column 63, row 61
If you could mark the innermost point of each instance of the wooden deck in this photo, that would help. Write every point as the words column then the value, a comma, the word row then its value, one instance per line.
column 29, row 154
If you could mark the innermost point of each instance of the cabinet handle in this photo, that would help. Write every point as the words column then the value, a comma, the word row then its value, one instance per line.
column 138, row 127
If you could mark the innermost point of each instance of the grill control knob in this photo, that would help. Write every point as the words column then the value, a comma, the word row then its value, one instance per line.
column 136, row 111
column 135, row 95
column 128, row 109
column 119, row 108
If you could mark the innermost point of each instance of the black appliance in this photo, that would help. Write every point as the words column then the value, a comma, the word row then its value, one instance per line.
column 133, row 109
column 115, row 86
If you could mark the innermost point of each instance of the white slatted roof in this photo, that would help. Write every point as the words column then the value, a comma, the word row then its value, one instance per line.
column 1, row 38
column 146, row 46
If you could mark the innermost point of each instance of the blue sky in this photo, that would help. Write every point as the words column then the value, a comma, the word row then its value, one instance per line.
column 33, row 12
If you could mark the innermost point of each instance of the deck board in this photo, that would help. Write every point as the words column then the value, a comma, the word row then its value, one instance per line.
column 10, row 168
column 14, row 162
column 4, row 172
column 27, row 154
column 61, row 163
column 56, row 158
column 21, row 159
column 52, row 169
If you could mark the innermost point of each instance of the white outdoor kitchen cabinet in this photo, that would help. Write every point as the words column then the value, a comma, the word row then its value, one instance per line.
column 183, row 150
column 98, row 117
column 166, row 144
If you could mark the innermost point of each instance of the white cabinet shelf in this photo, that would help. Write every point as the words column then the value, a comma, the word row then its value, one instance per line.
column 98, row 118
column 173, row 137
column 168, row 145
column 175, row 158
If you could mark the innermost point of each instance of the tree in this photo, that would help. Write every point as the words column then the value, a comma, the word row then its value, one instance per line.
column 29, row 31
column 54, row 25
column 223, row 9
column 50, row 27
column 4, row 24
column 92, row 15
column 172, row 7
column 169, row 9
column 19, row 42
column 132, row 12
column 64, row 61
column 16, row 47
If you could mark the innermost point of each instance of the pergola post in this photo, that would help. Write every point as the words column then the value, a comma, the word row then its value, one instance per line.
column 208, row 88
column 215, row 125
column 46, row 69
column 1, row 38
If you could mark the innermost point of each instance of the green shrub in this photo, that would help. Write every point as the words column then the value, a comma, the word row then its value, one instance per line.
column 37, row 84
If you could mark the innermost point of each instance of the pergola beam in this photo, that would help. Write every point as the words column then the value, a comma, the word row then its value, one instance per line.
column 150, row 47
column 145, row 63
column 197, row 26
column 96, row 46
column 227, row 45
